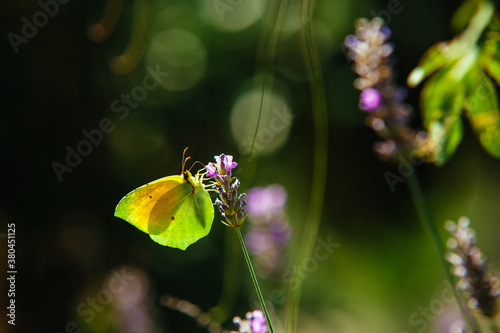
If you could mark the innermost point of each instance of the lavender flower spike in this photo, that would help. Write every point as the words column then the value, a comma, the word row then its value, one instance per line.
column 388, row 116
column 471, row 268
column 232, row 206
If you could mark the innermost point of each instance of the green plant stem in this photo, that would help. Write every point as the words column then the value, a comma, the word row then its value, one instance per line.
column 428, row 222
column 320, row 154
column 254, row 279
column 231, row 281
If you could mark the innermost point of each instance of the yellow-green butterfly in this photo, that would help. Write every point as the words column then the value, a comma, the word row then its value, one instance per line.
column 175, row 211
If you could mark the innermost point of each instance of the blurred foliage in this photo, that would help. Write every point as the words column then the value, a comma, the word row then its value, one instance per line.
column 464, row 73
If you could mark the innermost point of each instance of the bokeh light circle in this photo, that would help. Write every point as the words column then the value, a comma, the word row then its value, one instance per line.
column 232, row 15
column 181, row 54
column 273, row 128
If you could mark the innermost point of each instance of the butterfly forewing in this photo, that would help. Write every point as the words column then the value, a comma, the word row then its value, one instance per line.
column 140, row 207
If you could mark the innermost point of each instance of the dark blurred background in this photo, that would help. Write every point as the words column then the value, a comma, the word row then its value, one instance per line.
column 67, row 79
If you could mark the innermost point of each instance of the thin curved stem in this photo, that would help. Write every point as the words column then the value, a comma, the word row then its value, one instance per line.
column 231, row 283
column 254, row 279
column 320, row 123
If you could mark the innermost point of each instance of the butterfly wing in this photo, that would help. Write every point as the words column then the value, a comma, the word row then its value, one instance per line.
column 141, row 207
column 169, row 211
column 192, row 221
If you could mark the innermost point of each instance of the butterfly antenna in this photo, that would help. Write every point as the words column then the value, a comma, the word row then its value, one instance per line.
column 184, row 159
column 203, row 165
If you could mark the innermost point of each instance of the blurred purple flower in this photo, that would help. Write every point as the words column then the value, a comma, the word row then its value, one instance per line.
column 370, row 99
column 280, row 232
column 254, row 322
column 258, row 241
column 269, row 231
column 258, row 322
column 389, row 115
column 386, row 32
column 266, row 200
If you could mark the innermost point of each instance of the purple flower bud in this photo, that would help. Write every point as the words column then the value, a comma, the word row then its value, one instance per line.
column 370, row 99
column 351, row 41
column 235, row 185
column 225, row 163
column 233, row 193
column 211, row 170
column 241, row 216
column 228, row 161
column 386, row 32
column 243, row 203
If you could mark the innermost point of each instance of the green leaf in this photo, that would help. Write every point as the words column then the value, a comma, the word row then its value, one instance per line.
column 493, row 69
column 462, row 15
column 446, row 138
column 431, row 61
column 481, row 107
column 488, row 59
column 441, row 99
column 464, row 64
column 460, row 51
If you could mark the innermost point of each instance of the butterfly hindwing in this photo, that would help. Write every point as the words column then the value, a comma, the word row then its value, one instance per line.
column 192, row 221
column 173, row 211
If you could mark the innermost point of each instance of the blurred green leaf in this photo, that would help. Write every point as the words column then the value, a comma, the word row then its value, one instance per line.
column 431, row 61
column 464, row 64
column 462, row 15
column 458, row 82
column 481, row 107
column 442, row 100
column 460, row 50
column 446, row 136
column 489, row 59
column 493, row 69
